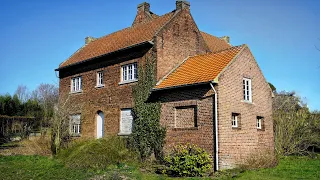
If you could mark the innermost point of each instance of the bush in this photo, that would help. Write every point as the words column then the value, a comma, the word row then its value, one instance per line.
column 187, row 160
column 260, row 159
column 96, row 154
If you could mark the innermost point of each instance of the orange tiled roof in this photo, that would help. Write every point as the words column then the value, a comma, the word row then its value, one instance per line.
column 118, row 40
column 201, row 68
column 215, row 44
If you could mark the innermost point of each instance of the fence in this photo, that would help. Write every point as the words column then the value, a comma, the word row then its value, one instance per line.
column 16, row 126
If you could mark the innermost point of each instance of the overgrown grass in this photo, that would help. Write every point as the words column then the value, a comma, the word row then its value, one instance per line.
column 292, row 167
column 32, row 146
column 96, row 154
column 37, row 167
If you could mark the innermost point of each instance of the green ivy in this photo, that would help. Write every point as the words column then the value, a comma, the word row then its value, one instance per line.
column 147, row 136
column 187, row 160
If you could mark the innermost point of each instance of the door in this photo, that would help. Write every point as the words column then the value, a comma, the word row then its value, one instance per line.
column 100, row 125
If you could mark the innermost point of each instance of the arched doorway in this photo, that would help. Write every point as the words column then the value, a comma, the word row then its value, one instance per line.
column 100, row 124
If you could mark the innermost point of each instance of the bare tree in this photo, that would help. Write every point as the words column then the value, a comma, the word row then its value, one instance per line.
column 22, row 93
column 47, row 96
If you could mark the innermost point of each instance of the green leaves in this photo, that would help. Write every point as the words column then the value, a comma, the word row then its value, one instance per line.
column 188, row 160
column 147, row 136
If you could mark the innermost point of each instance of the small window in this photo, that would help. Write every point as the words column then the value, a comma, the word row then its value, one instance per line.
column 75, row 126
column 129, row 72
column 100, row 79
column 235, row 120
column 259, row 122
column 76, row 84
column 247, row 94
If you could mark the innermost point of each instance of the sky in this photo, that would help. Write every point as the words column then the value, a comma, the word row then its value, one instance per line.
column 37, row 35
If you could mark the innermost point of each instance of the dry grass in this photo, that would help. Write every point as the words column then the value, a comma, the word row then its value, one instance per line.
column 259, row 159
column 32, row 146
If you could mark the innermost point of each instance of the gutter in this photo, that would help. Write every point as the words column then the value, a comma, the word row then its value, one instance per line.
column 179, row 86
column 113, row 52
column 216, row 128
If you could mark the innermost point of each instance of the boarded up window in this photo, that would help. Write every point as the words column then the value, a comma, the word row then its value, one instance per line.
column 186, row 117
column 126, row 120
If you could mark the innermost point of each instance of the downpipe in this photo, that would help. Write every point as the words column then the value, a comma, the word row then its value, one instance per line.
column 216, row 126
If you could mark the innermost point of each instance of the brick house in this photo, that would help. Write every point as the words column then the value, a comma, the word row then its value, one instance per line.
column 212, row 94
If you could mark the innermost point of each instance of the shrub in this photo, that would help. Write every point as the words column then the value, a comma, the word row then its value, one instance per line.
column 96, row 154
column 259, row 159
column 187, row 160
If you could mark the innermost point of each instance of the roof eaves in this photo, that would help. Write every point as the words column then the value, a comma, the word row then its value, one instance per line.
column 180, row 86
column 119, row 50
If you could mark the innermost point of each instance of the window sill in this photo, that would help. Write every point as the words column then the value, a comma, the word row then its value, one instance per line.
column 260, row 129
column 75, row 135
column 124, row 134
column 236, row 128
column 76, row 92
column 127, row 82
column 185, row 129
column 99, row 86
column 248, row 102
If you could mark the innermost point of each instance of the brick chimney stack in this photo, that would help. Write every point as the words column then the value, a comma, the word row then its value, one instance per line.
column 181, row 4
column 143, row 14
column 144, row 8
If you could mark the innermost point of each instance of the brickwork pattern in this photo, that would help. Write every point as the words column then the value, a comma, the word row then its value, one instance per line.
column 201, row 135
column 235, row 144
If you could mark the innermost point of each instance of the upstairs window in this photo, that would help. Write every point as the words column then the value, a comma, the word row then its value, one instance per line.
column 75, row 124
column 259, row 122
column 235, row 120
column 129, row 72
column 247, row 94
column 100, row 79
column 76, row 84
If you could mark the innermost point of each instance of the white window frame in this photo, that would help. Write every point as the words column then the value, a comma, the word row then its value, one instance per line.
column 247, row 89
column 76, row 84
column 234, row 120
column 129, row 73
column 259, row 122
column 75, row 124
column 100, row 79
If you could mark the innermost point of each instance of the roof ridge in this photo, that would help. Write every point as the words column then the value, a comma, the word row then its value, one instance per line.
column 212, row 53
column 131, row 27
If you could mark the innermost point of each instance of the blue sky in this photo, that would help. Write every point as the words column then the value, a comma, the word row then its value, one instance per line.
column 37, row 35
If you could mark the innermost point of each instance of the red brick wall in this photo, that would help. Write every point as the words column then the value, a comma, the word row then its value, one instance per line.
column 201, row 135
column 179, row 39
column 237, row 144
column 109, row 99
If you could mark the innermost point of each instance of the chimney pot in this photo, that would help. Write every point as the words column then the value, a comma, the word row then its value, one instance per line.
column 89, row 39
column 182, row 4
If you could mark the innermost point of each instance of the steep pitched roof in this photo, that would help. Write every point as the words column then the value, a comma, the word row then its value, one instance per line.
column 214, row 43
column 200, row 68
column 118, row 40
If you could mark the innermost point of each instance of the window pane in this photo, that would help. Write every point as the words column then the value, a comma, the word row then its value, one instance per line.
column 135, row 71
column 130, row 72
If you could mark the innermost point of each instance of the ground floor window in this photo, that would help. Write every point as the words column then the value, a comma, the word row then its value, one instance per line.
column 75, row 126
column 126, row 120
column 259, row 122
